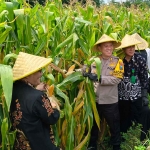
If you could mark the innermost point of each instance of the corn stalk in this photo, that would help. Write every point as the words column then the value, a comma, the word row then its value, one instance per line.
column 67, row 34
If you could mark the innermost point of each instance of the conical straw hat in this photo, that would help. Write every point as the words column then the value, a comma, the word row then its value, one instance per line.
column 105, row 38
column 127, row 41
column 144, row 43
column 27, row 64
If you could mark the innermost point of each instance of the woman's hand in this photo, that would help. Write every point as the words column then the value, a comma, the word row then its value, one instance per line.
column 54, row 105
column 41, row 87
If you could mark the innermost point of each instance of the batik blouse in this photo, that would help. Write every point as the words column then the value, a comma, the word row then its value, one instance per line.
column 135, row 78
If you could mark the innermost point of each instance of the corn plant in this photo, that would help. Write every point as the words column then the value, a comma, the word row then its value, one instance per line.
column 7, row 136
column 66, row 33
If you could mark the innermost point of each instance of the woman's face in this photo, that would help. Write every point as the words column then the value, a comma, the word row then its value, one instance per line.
column 129, row 51
column 34, row 78
column 106, row 49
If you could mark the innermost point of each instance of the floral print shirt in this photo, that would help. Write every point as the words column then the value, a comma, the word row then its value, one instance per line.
column 135, row 78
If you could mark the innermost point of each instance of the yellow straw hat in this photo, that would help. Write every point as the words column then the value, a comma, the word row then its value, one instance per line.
column 27, row 64
column 144, row 43
column 105, row 38
column 127, row 41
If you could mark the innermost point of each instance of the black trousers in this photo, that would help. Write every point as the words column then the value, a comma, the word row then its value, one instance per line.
column 134, row 111
column 129, row 112
column 145, row 121
column 111, row 114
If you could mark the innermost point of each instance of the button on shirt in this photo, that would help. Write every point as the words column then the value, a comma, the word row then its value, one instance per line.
column 127, row 89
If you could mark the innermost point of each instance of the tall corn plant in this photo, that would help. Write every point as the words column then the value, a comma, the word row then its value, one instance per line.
column 44, row 42
column 67, row 34
column 77, row 101
column 7, row 136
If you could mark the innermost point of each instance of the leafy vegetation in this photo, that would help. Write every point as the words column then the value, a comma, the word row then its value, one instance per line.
column 66, row 33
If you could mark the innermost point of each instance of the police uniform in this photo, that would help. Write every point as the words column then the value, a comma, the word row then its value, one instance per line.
column 107, row 95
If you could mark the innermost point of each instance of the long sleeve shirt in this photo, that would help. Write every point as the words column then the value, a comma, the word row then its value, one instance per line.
column 136, row 67
column 107, row 89
column 32, row 114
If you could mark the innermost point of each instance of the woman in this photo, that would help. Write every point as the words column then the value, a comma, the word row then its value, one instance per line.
column 31, row 111
column 133, row 87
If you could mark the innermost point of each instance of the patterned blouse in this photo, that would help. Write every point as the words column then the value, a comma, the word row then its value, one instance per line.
column 135, row 78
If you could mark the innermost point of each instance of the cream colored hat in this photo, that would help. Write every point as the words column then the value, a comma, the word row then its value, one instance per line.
column 27, row 64
column 144, row 43
column 105, row 38
column 127, row 41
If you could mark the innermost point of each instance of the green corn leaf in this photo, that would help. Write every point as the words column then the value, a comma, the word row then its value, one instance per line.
column 2, row 14
column 32, row 13
column 107, row 28
column 9, row 56
column 67, row 106
column 70, row 138
column 82, row 21
column 34, row 34
column 47, row 20
column 110, row 14
column 131, row 22
column 4, row 35
column 90, row 11
column 4, row 130
column 10, row 7
column 98, row 66
column 1, row 114
column 7, row 82
column 19, row 13
column 71, row 79
column 27, row 34
column 71, row 39
column 87, row 105
column 68, row 51
column 114, row 36
column 51, row 78
column 41, row 21
column 56, row 135
column 12, row 137
column 92, row 39
column 91, row 96
column 41, row 44
column 83, row 46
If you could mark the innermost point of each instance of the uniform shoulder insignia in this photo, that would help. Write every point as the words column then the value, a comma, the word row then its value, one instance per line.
column 119, row 69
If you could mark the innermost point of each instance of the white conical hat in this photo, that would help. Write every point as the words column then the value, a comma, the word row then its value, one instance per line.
column 127, row 41
column 27, row 64
column 105, row 38
column 144, row 43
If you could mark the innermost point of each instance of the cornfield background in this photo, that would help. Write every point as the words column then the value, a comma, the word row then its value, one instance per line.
column 66, row 33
